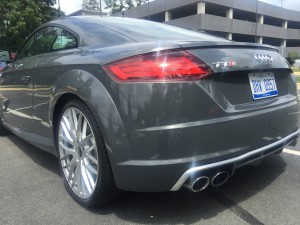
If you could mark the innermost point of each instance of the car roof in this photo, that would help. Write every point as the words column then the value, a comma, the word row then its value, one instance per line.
column 131, row 30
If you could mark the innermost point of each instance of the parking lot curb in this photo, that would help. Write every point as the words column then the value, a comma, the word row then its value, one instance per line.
column 297, row 73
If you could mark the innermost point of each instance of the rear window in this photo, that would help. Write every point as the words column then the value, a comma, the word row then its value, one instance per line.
column 116, row 30
column 157, row 31
column 93, row 32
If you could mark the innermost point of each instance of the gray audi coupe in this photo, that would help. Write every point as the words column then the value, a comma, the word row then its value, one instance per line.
column 134, row 105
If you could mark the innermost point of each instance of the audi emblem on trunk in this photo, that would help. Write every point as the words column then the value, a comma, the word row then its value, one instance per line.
column 263, row 58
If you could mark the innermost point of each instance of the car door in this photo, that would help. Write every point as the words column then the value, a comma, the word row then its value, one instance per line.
column 17, row 82
column 46, row 74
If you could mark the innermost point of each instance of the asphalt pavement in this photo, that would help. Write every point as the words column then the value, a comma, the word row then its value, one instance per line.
column 32, row 192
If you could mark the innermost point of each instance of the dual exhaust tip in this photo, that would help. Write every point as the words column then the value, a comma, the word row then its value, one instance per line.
column 197, row 184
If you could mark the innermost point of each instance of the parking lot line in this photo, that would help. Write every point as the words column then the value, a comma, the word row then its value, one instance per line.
column 289, row 151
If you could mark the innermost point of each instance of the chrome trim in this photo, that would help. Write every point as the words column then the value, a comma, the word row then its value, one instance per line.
column 264, row 58
column 192, row 183
column 188, row 173
column 223, row 182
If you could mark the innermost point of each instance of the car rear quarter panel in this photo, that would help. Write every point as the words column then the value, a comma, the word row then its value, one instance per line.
column 74, row 72
column 80, row 81
column 91, row 90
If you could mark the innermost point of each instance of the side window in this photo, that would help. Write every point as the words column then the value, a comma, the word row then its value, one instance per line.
column 41, row 42
column 64, row 40
column 46, row 40
column 25, row 51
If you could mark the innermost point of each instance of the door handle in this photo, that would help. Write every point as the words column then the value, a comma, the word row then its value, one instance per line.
column 26, row 79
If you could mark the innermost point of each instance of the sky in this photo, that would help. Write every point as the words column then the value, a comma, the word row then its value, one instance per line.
column 69, row 6
column 289, row 4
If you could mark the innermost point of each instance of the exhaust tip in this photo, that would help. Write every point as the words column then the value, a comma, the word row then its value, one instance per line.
column 198, row 184
column 219, row 179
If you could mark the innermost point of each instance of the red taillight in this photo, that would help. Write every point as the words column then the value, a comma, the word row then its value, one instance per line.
column 13, row 55
column 171, row 65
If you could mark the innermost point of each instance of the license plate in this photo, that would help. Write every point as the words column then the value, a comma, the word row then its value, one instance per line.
column 262, row 85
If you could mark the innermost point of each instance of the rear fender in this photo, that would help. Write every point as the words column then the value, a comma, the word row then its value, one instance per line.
column 92, row 92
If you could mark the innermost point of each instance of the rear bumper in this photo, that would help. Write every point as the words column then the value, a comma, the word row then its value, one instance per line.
column 161, row 176
column 163, row 159
column 241, row 160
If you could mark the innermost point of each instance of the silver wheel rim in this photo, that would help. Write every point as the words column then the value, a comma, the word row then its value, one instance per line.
column 78, row 152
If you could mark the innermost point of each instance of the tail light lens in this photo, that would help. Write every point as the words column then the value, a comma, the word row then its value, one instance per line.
column 13, row 55
column 171, row 65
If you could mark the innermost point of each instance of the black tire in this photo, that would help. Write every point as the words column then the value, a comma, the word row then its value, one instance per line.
column 105, row 189
column 3, row 130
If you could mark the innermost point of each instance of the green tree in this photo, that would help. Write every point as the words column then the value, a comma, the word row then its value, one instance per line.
column 90, row 5
column 141, row 2
column 292, row 56
column 115, row 6
column 19, row 18
column 130, row 3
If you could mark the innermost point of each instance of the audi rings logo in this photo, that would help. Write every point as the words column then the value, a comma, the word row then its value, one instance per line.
column 263, row 58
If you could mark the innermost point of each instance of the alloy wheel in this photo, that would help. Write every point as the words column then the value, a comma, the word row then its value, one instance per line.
column 78, row 152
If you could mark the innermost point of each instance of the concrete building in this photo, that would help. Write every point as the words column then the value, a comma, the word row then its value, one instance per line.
column 238, row 20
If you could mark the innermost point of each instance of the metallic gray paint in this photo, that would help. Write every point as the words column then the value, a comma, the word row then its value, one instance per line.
column 154, row 131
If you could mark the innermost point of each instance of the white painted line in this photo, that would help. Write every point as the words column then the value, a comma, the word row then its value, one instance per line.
column 289, row 151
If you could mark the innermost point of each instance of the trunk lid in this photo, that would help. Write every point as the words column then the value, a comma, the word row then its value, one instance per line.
column 245, row 74
column 228, row 58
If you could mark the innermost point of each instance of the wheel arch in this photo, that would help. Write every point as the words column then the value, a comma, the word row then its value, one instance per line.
column 58, row 107
column 87, row 88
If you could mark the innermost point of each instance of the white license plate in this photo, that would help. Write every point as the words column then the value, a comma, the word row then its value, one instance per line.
column 262, row 85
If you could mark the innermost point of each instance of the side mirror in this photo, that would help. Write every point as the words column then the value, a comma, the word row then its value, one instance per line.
column 5, row 56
